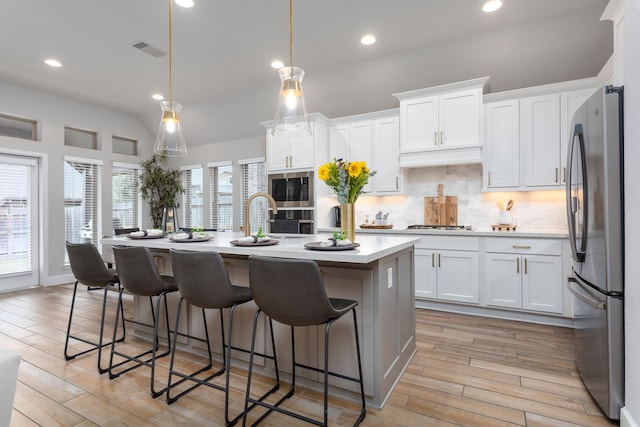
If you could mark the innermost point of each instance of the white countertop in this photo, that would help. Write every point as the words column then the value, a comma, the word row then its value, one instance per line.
column 480, row 232
column 372, row 247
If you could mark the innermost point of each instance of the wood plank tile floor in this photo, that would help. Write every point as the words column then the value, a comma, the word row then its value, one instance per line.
column 468, row 371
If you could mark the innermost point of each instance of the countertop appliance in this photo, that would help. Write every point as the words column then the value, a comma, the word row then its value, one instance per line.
column 292, row 189
column 595, row 214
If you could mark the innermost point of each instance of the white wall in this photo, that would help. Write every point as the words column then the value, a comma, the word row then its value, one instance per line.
column 53, row 113
column 632, row 210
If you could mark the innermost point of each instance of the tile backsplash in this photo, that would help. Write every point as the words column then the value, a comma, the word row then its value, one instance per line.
column 533, row 210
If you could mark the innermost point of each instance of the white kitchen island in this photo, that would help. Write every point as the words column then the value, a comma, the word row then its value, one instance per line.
column 379, row 275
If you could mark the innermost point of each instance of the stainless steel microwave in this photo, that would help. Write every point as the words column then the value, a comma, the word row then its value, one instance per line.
column 292, row 190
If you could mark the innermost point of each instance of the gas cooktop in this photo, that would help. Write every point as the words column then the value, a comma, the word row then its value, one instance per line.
column 438, row 227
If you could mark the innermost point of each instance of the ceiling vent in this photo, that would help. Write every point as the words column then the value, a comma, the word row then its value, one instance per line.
column 150, row 49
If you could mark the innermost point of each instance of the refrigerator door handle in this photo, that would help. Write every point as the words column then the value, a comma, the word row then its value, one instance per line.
column 574, row 288
column 577, row 142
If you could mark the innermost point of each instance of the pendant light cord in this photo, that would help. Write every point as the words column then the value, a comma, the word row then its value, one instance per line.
column 291, row 35
column 170, row 53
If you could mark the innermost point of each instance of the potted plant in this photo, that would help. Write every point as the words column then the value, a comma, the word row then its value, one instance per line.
column 160, row 187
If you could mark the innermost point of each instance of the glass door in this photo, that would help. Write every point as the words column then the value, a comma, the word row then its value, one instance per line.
column 19, row 263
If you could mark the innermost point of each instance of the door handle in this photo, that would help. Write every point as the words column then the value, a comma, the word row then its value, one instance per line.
column 521, row 247
column 397, row 183
column 441, row 137
column 489, row 179
column 435, row 138
column 556, row 175
column 564, row 174
column 433, row 259
column 574, row 288
column 518, row 265
column 525, row 266
column 439, row 264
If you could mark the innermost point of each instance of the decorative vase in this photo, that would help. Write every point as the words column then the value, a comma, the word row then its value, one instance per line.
column 170, row 219
column 348, row 220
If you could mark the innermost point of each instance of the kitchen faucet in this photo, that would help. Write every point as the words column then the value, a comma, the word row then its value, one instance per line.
column 272, row 202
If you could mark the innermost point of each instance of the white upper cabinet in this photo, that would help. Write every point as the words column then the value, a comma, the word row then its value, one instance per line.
column 527, row 137
column 386, row 135
column 373, row 138
column 540, row 139
column 297, row 154
column 441, row 125
column 502, row 151
column 569, row 104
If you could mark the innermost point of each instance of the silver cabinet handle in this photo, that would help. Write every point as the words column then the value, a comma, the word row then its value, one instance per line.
column 435, row 138
column 439, row 264
column 441, row 137
column 564, row 174
column 521, row 247
column 556, row 175
column 489, row 179
column 397, row 183
column 525, row 266
column 433, row 259
column 518, row 265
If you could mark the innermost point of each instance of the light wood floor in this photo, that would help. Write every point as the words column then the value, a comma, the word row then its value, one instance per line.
column 467, row 371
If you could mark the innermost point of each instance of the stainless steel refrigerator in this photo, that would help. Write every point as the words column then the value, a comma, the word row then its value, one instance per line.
column 595, row 213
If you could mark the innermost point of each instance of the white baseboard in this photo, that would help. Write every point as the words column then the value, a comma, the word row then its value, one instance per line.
column 626, row 419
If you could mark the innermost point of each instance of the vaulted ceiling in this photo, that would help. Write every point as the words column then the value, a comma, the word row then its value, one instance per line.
column 222, row 51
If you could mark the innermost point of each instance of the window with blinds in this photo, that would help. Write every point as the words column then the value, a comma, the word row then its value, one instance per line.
column 221, row 196
column 253, row 180
column 16, row 220
column 126, row 196
column 82, row 201
column 192, row 198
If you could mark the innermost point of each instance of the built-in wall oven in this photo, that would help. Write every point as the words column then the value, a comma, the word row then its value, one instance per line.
column 293, row 194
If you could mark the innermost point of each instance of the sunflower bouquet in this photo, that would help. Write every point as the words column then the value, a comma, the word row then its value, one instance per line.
column 346, row 179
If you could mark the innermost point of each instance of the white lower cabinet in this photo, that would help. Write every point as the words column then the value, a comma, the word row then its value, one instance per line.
column 449, row 274
column 518, row 276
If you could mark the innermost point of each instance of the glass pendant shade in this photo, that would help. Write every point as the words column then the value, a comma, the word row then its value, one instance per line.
column 291, row 118
column 169, row 138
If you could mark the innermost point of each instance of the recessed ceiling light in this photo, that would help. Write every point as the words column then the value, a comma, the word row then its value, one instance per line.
column 53, row 62
column 184, row 3
column 368, row 39
column 492, row 6
column 157, row 97
column 277, row 64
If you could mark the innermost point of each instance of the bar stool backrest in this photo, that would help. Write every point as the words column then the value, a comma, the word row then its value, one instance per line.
column 290, row 291
column 88, row 266
column 202, row 279
column 137, row 271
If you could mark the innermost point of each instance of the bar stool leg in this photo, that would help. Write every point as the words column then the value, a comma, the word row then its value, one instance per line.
column 275, row 388
column 363, row 411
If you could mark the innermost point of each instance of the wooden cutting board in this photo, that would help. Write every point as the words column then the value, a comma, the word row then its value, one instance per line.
column 441, row 210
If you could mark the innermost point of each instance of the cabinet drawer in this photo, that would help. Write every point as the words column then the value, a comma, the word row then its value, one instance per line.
column 453, row 243
column 524, row 245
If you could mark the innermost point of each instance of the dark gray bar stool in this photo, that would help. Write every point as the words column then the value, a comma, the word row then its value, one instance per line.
column 291, row 291
column 88, row 269
column 203, row 282
column 139, row 276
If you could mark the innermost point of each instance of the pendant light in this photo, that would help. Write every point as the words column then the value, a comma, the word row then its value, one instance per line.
column 291, row 118
column 170, row 139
